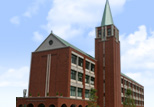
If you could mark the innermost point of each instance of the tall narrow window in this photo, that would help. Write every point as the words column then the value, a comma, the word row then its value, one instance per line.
column 74, row 59
column 87, row 65
column 80, row 62
column 125, row 82
column 122, row 90
column 73, row 74
column 79, row 92
column 109, row 31
column 104, row 33
column 92, row 81
column 93, row 67
column 99, row 33
column 86, row 93
column 121, row 81
column 73, row 91
column 80, row 75
column 87, row 79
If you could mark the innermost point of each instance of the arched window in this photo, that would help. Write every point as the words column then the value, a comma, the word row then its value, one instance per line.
column 80, row 105
column 52, row 105
column 73, row 105
column 64, row 105
column 30, row 105
column 20, row 105
column 41, row 105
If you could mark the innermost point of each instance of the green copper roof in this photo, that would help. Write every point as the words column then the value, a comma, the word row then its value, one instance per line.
column 70, row 45
column 107, row 16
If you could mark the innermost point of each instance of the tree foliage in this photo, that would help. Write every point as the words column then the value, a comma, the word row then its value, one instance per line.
column 129, row 101
column 92, row 98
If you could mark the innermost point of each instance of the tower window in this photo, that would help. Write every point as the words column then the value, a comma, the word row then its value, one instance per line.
column 74, row 59
column 109, row 31
column 104, row 33
column 80, row 62
column 99, row 32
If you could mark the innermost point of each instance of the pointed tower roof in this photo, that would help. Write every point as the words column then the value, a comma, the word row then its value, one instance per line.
column 107, row 16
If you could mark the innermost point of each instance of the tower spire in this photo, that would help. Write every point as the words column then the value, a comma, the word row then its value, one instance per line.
column 107, row 16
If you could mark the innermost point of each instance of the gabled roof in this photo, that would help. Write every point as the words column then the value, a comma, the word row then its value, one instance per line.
column 72, row 46
column 58, row 43
column 107, row 16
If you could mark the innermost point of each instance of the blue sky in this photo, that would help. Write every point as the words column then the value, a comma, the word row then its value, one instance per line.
column 25, row 24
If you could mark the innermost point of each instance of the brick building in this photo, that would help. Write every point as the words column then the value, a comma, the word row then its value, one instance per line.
column 62, row 75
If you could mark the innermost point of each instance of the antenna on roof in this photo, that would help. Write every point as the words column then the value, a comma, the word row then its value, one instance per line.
column 24, row 92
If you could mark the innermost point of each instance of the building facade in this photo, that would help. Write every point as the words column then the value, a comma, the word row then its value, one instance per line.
column 62, row 75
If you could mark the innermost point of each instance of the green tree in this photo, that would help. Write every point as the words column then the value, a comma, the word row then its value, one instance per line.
column 129, row 101
column 92, row 98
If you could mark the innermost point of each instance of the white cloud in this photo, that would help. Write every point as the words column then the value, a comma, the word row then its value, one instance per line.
column 138, row 49
column 15, row 20
column 143, row 78
column 33, row 9
column 37, row 37
column 15, row 77
column 72, row 18
column 137, row 60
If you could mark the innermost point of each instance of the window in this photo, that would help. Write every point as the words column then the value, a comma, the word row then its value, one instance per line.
column 93, row 67
column 109, row 31
column 87, row 79
column 121, row 81
column 129, row 84
column 73, row 74
column 79, row 92
column 80, row 62
column 122, row 90
column 99, row 32
column 87, row 65
column 104, row 33
column 125, row 82
column 74, row 59
column 80, row 75
column 92, row 81
column 134, row 87
column 73, row 91
column 86, row 93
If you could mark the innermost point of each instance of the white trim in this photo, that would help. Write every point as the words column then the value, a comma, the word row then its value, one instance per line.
column 86, row 98
column 48, row 74
column 90, row 61
column 77, row 54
